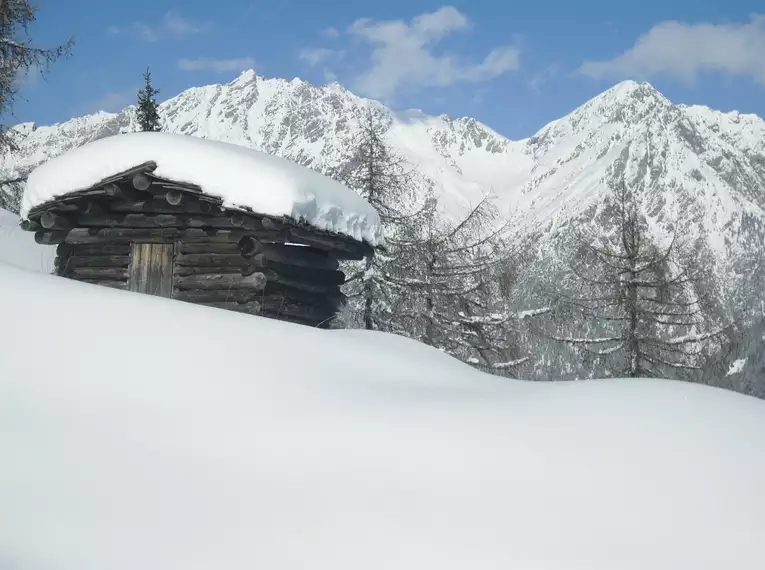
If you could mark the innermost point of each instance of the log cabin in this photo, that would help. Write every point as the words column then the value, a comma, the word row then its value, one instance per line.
column 203, row 222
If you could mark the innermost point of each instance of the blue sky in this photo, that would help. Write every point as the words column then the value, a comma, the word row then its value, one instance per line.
column 513, row 65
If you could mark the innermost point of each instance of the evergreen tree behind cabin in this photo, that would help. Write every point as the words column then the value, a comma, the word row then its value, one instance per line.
column 148, row 108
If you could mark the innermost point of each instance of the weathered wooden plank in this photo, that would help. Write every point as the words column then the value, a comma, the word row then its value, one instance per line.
column 136, row 220
column 64, row 250
column 30, row 226
column 92, row 208
column 343, row 248
column 106, row 283
column 154, row 206
column 109, row 273
column 197, row 235
column 293, row 283
column 186, row 186
column 256, row 281
column 216, row 295
column 99, row 261
column 329, row 300
column 304, row 274
column 148, row 166
column 210, row 259
column 185, row 270
column 83, row 236
column 251, row 308
column 98, row 249
column 275, row 306
column 151, row 269
column 50, row 237
column 53, row 221
column 299, row 256
column 278, row 310
column 202, row 247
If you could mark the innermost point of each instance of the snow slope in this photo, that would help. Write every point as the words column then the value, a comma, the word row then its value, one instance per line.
column 18, row 247
column 237, row 442
column 241, row 177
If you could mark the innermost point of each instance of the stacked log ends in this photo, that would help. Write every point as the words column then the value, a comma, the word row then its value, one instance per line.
column 225, row 258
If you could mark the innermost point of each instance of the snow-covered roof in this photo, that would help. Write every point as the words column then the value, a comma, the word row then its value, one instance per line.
column 241, row 177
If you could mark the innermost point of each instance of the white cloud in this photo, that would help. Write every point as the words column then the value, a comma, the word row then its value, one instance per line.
column 330, row 33
column 216, row 65
column 177, row 26
column 543, row 76
column 683, row 51
column 316, row 56
column 172, row 26
column 403, row 54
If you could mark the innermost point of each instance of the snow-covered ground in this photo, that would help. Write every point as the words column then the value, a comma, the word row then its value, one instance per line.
column 143, row 433
column 18, row 247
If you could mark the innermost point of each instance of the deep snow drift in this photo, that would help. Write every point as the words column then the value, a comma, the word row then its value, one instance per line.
column 239, row 176
column 18, row 247
column 143, row 433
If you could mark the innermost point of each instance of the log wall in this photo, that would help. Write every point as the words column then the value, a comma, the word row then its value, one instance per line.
column 143, row 234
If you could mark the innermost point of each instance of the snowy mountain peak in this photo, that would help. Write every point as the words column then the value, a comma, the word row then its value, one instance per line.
column 698, row 169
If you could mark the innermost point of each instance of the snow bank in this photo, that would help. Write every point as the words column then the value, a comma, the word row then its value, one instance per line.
column 18, row 247
column 230, row 441
column 240, row 176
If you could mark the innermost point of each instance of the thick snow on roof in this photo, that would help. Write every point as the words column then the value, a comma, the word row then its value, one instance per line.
column 240, row 176
column 247, row 443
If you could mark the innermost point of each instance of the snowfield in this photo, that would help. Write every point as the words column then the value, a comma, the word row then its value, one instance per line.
column 144, row 433
column 18, row 247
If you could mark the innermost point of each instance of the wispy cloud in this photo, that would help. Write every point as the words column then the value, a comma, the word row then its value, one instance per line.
column 172, row 26
column 683, row 51
column 404, row 55
column 216, row 65
column 316, row 56
column 330, row 33
column 543, row 76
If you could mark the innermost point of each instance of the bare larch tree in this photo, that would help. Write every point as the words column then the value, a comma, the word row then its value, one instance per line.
column 387, row 182
column 18, row 56
column 636, row 300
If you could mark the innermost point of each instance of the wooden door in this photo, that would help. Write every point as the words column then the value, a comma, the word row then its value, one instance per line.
column 151, row 269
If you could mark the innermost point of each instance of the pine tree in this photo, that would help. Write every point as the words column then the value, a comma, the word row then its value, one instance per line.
column 148, row 108
column 634, row 300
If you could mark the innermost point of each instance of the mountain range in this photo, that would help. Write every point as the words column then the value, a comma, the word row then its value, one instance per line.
column 695, row 170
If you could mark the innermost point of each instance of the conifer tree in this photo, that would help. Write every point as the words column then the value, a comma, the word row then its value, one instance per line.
column 632, row 300
column 148, row 108
column 385, row 180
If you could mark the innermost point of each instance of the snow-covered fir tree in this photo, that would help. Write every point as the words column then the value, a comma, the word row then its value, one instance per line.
column 148, row 108
column 632, row 302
